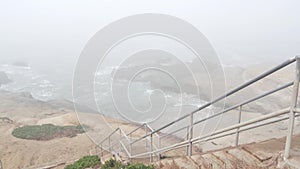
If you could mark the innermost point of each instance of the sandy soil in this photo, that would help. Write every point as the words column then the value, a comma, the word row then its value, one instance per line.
column 20, row 153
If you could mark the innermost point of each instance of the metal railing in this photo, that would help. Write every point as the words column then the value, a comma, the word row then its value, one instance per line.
column 112, row 143
column 226, row 131
column 129, row 140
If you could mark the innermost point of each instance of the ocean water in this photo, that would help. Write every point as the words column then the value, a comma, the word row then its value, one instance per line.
column 141, row 102
column 26, row 79
column 43, row 86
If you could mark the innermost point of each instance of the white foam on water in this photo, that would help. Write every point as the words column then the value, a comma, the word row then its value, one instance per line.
column 25, row 79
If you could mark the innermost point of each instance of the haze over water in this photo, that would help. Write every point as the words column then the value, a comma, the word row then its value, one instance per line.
column 50, row 36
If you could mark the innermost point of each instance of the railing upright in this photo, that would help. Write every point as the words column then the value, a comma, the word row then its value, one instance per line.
column 238, row 129
column 130, row 145
column 159, row 146
column 190, row 147
column 187, row 138
column 120, row 132
column 292, row 111
column 151, row 148
column 146, row 133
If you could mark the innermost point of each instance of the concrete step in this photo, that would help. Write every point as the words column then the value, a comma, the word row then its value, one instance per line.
column 244, row 158
column 266, row 154
column 167, row 164
column 200, row 161
column 228, row 160
column 214, row 161
column 185, row 163
column 260, row 155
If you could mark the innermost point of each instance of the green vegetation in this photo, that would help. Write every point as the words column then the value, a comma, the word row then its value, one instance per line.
column 85, row 162
column 47, row 131
column 139, row 166
column 94, row 162
column 112, row 164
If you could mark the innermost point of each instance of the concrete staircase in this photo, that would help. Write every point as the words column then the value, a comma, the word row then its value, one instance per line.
column 266, row 154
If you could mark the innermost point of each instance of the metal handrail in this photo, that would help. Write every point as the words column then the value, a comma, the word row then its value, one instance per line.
column 125, row 135
column 245, row 129
column 136, row 129
column 248, row 128
column 124, row 147
column 122, row 135
column 206, row 137
column 238, row 127
column 152, row 130
column 264, row 117
column 171, row 133
column 263, row 75
column 106, row 138
column 234, row 107
column 143, row 125
column 246, row 102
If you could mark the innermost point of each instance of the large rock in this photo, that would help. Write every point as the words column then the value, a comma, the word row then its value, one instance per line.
column 4, row 79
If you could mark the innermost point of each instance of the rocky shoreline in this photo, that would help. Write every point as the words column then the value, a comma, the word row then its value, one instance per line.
column 4, row 79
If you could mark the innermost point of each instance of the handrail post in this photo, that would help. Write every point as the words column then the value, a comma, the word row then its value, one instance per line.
column 159, row 142
column 120, row 132
column 237, row 135
column 292, row 112
column 146, row 133
column 130, row 151
column 187, row 138
column 130, row 146
column 190, row 134
column 151, row 148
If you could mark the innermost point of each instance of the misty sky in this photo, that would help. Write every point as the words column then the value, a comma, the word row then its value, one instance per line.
column 240, row 31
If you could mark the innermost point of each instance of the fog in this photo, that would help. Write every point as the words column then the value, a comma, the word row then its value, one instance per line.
column 50, row 34
column 240, row 31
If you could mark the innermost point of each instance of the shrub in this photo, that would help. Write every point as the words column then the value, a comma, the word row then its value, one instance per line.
column 85, row 162
column 139, row 166
column 94, row 162
column 112, row 164
column 46, row 131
